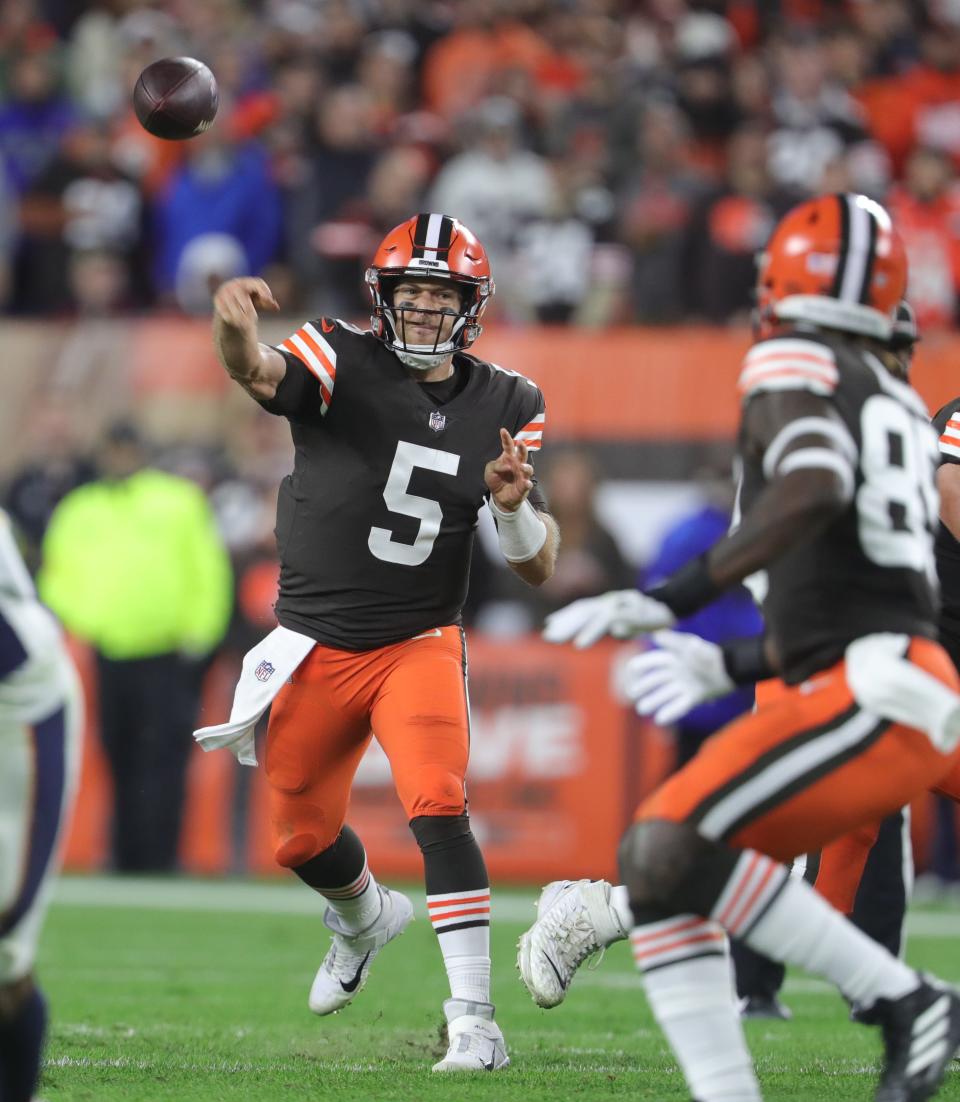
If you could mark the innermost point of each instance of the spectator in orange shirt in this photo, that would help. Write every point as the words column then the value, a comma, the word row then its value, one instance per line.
column 726, row 229
column 460, row 68
column 923, row 105
column 926, row 209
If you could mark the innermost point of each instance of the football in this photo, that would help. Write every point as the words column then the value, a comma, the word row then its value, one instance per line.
column 176, row 98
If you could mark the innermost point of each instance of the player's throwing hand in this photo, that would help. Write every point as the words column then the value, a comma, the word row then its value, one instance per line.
column 509, row 477
column 237, row 301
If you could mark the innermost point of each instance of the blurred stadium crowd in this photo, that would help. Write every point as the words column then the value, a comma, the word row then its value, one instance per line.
column 622, row 160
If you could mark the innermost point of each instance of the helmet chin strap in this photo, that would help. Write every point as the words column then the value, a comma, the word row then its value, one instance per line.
column 422, row 361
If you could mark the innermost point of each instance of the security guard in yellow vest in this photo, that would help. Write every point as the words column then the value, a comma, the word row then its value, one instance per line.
column 133, row 565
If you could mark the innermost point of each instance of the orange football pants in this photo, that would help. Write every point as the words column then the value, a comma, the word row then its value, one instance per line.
column 842, row 862
column 806, row 767
column 410, row 696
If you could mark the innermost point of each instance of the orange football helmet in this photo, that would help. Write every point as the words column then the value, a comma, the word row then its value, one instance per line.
column 835, row 261
column 430, row 246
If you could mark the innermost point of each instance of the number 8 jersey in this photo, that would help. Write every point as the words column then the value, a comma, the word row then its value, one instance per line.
column 375, row 525
column 872, row 568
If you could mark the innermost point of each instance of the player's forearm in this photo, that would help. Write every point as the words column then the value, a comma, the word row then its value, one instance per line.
column 789, row 512
column 535, row 571
column 238, row 350
column 256, row 367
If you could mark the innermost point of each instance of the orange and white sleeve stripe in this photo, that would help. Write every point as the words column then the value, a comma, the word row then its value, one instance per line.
column 950, row 437
column 317, row 354
column 532, row 433
column 787, row 363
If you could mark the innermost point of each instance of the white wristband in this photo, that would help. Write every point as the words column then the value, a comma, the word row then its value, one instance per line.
column 522, row 533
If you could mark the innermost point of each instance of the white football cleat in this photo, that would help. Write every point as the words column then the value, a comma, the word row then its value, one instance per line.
column 476, row 1043
column 347, row 964
column 574, row 921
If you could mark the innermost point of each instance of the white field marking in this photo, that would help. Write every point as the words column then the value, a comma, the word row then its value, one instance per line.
column 265, row 897
column 630, row 981
column 241, row 896
column 237, row 1067
column 231, row 1067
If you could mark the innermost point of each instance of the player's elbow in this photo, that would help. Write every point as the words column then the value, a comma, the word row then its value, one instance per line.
column 818, row 494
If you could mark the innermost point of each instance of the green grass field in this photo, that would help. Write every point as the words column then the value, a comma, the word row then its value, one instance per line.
column 197, row 991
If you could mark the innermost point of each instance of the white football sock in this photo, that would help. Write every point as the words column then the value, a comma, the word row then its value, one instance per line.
column 357, row 905
column 620, row 905
column 782, row 917
column 688, row 980
column 462, row 924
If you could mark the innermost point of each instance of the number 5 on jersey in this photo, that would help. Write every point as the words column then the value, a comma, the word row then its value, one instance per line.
column 381, row 541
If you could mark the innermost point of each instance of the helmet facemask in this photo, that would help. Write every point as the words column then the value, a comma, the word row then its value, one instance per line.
column 390, row 323
column 898, row 356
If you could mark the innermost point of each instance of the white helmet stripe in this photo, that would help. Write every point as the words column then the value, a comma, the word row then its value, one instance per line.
column 434, row 225
column 858, row 250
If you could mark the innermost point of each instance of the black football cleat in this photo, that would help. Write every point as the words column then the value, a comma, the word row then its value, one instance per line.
column 863, row 1015
column 921, row 1033
column 764, row 1007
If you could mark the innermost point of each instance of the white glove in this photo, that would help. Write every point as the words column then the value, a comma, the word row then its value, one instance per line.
column 622, row 614
column 669, row 682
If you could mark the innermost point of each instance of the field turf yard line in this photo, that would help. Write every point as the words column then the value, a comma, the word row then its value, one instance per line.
column 231, row 895
column 248, row 896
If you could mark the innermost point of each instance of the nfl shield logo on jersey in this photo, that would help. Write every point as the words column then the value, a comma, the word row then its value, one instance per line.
column 264, row 671
column 438, row 421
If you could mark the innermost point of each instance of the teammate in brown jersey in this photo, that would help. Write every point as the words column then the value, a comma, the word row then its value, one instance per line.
column 867, row 874
column 401, row 436
column 838, row 507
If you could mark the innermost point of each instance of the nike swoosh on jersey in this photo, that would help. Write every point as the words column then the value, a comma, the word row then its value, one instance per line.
column 434, row 633
column 352, row 985
column 327, row 326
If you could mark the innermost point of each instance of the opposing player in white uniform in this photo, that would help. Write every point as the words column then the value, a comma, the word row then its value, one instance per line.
column 40, row 711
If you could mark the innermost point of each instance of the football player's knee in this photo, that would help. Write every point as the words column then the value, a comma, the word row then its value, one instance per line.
column 297, row 850
column 438, row 791
column 668, row 868
column 301, row 832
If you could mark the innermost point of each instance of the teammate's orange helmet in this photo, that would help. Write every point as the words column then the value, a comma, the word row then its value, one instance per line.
column 430, row 246
column 835, row 261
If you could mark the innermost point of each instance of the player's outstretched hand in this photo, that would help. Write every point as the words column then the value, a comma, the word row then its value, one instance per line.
column 237, row 301
column 509, row 477
column 669, row 682
column 622, row 614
